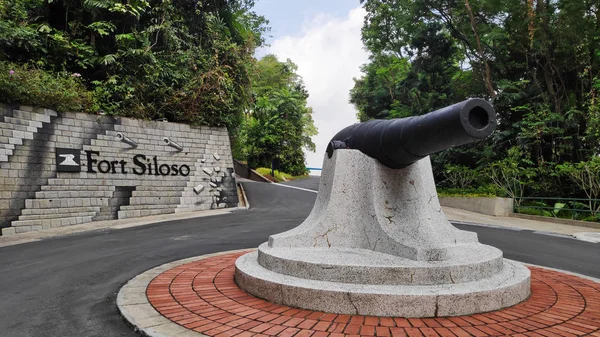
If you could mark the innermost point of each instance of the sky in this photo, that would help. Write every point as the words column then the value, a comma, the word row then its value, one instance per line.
column 322, row 37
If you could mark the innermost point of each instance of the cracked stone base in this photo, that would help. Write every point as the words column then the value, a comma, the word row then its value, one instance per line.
column 467, row 262
column 378, row 243
column 506, row 288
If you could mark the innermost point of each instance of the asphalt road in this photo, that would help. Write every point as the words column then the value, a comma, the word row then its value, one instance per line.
column 67, row 286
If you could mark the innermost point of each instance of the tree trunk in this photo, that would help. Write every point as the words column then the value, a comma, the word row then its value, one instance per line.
column 487, row 77
column 548, row 52
column 531, row 27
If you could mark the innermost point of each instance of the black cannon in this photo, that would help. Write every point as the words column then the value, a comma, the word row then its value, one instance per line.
column 400, row 142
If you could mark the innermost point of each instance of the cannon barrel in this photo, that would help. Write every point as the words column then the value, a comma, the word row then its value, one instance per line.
column 397, row 143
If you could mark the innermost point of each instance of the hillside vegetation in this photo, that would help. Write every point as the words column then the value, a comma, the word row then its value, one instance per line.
column 189, row 61
column 537, row 61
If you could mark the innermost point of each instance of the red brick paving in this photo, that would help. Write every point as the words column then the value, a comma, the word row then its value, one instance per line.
column 202, row 296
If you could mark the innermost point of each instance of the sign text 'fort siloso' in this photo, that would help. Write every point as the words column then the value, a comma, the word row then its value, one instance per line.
column 142, row 165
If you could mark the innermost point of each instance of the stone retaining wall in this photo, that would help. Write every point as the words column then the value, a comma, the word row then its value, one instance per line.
column 245, row 172
column 114, row 179
column 489, row 206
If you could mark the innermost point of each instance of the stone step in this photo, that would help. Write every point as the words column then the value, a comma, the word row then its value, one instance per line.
column 21, row 136
column 157, row 193
column 17, row 127
column 189, row 208
column 145, row 207
column 47, row 112
column 5, row 144
column 191, row 195
column 77, row 188
column 504, row 289
column 65, row 210
column 6, row 152
column 73, row 194
column 167, row 184
column 139, row 213
column 31, row 116
column 54, row 216
column 153, row 200
column 119, row 182
column 36, row 225
column 158, row 188
column 17, row 121
column 103, row 217
column 23, row 125
column 66, row 202
column 27, row 135
column 466, row 263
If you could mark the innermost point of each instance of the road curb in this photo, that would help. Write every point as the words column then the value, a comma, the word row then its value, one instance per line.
column 243, row 192
column 138, row 313
column 560, row 271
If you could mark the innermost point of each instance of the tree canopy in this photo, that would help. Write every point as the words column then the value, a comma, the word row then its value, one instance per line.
column 279, row 125
column 184, row 60
column 188, row 61
column 537, row 61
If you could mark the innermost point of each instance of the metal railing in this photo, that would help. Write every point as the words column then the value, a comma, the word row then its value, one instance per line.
column 560, row 206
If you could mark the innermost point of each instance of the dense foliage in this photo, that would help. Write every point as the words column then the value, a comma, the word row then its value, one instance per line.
column 20, row 83
column 188, row 61
column 184, row 60
column 279, row 125
column 537, row 61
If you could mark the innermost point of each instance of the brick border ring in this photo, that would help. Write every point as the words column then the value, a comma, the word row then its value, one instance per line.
column 198, row 297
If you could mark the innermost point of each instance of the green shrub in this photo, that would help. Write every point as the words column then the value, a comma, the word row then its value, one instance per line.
column 593, row 218
column 280, row 176
column 485, row 191
column 459, row 176
column 534, row 211
column 27, row 85
column 263, row 171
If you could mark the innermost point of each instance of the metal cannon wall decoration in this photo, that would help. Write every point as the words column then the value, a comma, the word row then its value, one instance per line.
column 377, row 241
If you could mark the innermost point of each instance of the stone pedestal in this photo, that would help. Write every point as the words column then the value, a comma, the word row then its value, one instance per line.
column 377, row 243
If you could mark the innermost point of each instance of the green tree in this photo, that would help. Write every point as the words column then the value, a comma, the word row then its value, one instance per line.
column 184, row 60
column 279, row 126
column 586, row 175
column 537, row 61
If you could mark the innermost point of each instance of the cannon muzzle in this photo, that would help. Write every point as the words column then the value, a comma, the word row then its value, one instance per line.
column 397, row 143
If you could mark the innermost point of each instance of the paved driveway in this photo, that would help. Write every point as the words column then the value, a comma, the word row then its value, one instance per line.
column 67, row 286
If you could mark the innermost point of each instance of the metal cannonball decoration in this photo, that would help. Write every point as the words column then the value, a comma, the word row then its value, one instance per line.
column 377, row 241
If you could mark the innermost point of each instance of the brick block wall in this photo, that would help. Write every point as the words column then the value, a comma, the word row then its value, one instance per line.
column 117, row 180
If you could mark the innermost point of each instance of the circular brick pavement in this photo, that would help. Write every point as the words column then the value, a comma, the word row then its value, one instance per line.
column 202, row 296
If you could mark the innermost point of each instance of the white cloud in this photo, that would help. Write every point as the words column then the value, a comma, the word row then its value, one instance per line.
column 328, row 52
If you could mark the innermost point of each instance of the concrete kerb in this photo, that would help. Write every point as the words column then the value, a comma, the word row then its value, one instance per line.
column 243, row 196
column 562, row 271
column 136, row 310
column 588, row 237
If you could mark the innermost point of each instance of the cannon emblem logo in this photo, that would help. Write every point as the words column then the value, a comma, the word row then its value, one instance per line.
column 68, row 160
